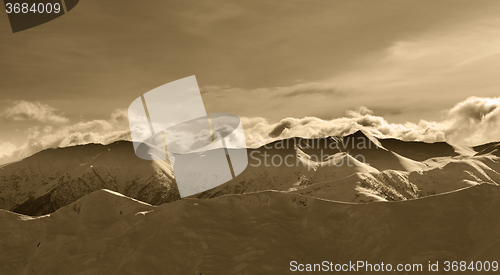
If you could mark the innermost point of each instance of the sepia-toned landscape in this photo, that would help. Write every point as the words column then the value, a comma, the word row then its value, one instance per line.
column 249, row 137
column 100, row 209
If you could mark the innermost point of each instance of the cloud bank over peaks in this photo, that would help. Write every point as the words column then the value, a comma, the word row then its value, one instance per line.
column 83, row 132
column 470, row 122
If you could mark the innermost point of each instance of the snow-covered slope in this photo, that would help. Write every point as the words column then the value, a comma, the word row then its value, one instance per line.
column 259, row 233
column 296, row 163
column 442, row 175
column 354, row 168
column 349, row 171
column 54, row 178
column 492, row 149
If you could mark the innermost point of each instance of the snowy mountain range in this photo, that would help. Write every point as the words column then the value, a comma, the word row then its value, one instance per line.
column 99, row 209
column 355, row 168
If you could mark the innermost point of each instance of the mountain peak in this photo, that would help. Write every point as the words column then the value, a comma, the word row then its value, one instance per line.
column 364, row 137
column 359, row 133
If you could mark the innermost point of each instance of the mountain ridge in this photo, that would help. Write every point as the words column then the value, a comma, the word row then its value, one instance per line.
column 53, row 178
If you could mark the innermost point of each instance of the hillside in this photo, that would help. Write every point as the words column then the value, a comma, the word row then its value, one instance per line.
column 492, row 149
column 53, row 178
column 259, row 233
column 355, row 168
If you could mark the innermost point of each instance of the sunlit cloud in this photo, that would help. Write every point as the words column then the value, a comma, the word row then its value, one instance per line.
column 424, row 74
column 39, row 138
column 7, row 149
column 471, row 122
column 32, row 111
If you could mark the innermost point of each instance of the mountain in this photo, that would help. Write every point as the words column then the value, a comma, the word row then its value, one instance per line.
column 296, row 163
column 259, row 233
column 358, row 168
column 419, row 151
column 53, row 178
column 355, row 168
column 442, row 175
column 372, row 152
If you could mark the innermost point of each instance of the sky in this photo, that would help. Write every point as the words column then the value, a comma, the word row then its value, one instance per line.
column 425, row 70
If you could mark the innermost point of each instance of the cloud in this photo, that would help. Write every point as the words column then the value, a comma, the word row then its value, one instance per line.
column 6, row 149
column 422, row 74
column 32, row 111
column 306, row 89
column 311, row 127
column 474, row 121
column 281, row 127
column 84, row 132
column 361, row 111
column 303, row 89
column 471, row 122
column 408, row 78
column 276, row 102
